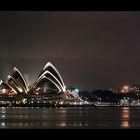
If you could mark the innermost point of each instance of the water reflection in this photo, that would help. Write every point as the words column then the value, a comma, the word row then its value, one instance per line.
column 3, row 110
column 125, row 117
column 65, row 124
column 62, row 118
column 2, row 125
column 2, row 116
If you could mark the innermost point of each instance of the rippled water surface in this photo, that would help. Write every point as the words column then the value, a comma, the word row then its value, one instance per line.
column 86, row 117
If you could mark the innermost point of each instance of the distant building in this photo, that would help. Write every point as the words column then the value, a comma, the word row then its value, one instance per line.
column 124, row 102
column 130, row 88
column 135, row 88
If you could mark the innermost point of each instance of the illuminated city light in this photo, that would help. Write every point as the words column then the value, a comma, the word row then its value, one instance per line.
column 64, row 89
column 61, row 102
column 20, row 90
column 125, row 89
column 24, row 101
column 75, row 103
column 77, row 90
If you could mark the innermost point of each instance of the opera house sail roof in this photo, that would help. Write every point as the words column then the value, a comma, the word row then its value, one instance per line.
column 49, row 76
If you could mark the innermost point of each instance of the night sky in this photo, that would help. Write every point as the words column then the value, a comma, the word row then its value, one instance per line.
column 91, row 50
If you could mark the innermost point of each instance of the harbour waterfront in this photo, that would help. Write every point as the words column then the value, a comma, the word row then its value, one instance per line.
column 70, row 117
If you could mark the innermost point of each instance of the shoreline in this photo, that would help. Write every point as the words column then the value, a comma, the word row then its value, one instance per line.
column 59, row 106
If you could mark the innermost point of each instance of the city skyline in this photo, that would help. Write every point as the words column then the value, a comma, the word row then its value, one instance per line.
column 91, row 49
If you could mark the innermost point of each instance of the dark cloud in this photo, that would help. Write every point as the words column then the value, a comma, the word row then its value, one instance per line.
column 90, row 49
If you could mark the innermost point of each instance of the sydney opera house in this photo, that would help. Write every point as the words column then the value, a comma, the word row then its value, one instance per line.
column 49, row 87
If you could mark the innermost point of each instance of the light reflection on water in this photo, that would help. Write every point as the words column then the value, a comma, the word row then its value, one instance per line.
column 125, row 117
column 95, row 117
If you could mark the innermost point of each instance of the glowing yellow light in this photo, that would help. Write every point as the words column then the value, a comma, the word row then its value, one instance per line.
column 24, row 100
column 125, row 89
column 61, row 102
column 20, row 90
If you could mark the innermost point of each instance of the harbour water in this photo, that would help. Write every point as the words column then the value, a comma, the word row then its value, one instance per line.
column 70, row 117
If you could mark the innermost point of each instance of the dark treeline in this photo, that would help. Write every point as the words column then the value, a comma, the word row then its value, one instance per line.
column 107, row 95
